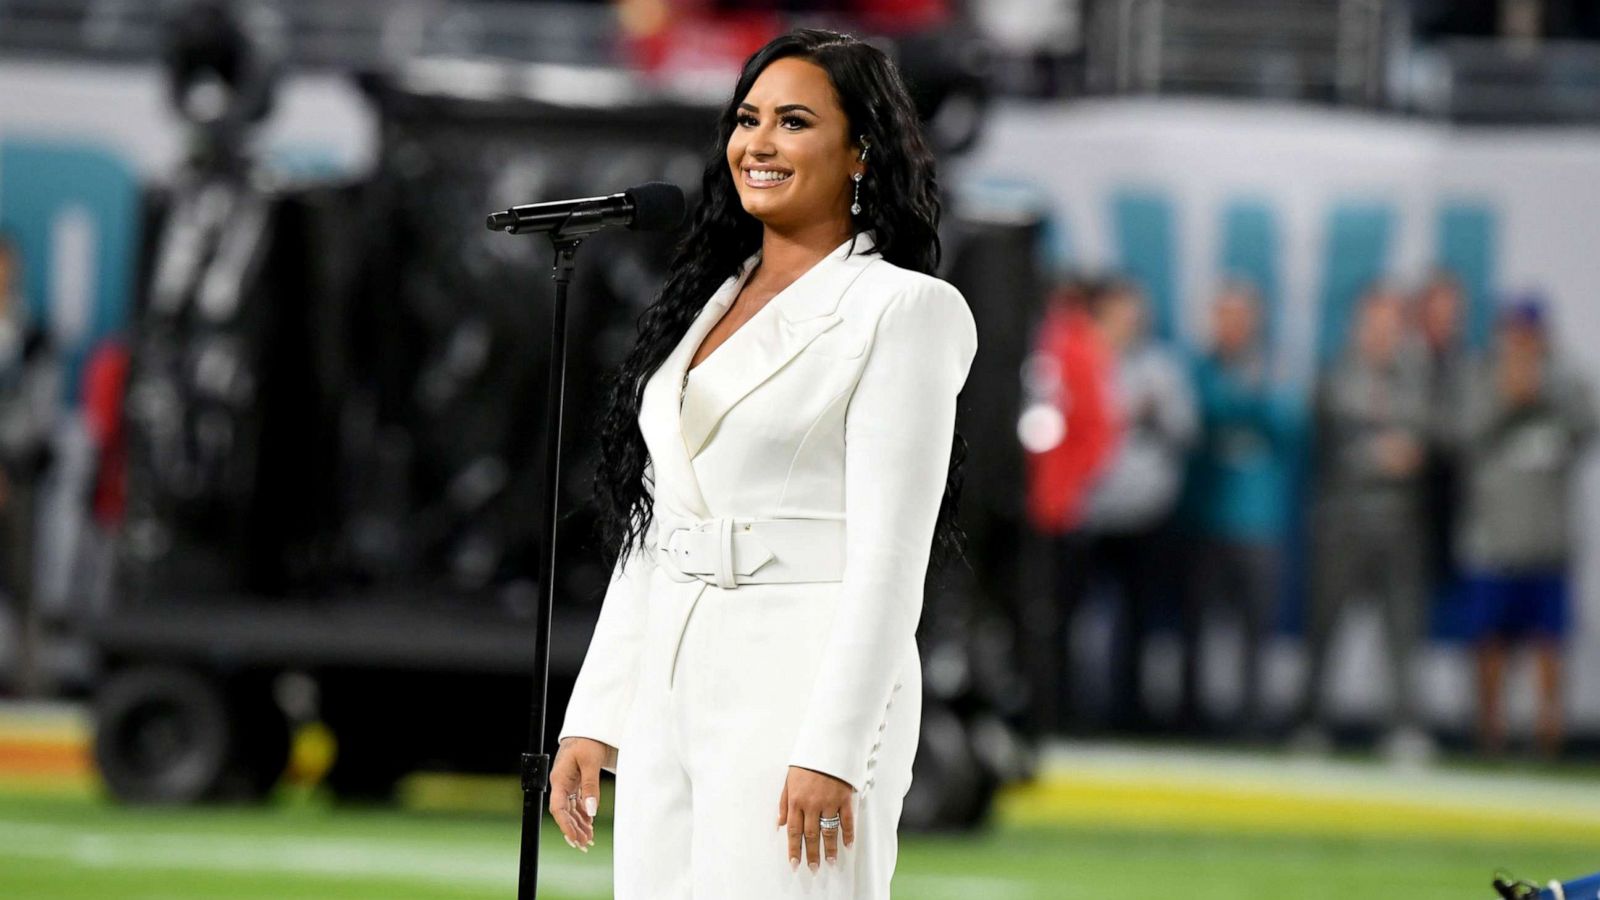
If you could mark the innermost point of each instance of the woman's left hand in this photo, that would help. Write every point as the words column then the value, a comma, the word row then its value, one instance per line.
column 808, row 797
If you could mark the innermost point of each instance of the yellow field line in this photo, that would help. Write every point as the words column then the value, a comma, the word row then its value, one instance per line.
column 15, row 728
column 1241, row 808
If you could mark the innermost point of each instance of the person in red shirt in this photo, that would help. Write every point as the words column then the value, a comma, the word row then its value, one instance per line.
column 1069, row 428
column 689, row 37
column 104, row 383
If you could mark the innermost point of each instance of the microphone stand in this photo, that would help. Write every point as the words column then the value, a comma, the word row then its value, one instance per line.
column 565, row 236
column 535, row 762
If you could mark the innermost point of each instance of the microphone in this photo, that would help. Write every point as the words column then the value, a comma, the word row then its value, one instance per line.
column 656, row 206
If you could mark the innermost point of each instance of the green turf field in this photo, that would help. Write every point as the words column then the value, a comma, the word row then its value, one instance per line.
column 74, row 846
column 1110, row 822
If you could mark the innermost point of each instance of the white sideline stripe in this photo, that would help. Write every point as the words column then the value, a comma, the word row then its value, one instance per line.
column 445, row 863
column 442, row 863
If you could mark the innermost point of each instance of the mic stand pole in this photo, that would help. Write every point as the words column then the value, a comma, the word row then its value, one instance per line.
column 535, row 762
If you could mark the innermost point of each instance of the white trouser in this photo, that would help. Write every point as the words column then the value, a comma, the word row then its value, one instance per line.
column 705, row 754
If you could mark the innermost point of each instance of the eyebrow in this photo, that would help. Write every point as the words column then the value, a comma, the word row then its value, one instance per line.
column 787, row 107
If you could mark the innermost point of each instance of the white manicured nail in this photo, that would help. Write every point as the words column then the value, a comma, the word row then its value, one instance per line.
column 591, row 805
column 794, row 864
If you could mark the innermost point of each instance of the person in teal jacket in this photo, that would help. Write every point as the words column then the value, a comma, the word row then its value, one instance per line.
column 1234, row 506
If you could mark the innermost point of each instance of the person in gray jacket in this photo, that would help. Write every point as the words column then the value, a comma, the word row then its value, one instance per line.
column 1452, row 363
column 1129, row 510
column 1370, row 428
column 1524, row 430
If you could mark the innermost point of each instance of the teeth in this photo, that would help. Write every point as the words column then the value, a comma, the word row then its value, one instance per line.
column 763, row 175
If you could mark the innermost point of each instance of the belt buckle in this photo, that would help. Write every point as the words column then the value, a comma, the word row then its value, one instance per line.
column 720, row 556
column 667, row 545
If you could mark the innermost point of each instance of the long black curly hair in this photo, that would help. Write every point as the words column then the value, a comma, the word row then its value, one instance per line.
column 900, row 204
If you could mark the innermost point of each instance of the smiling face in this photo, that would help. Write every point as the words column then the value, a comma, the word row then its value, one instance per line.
column 791, row 153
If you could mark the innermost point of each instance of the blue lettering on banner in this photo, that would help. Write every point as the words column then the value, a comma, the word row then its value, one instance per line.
column 1142, row 225
column 1356, row 255
column 1357, row 251
column 1466, row 235
column 1251, row 250
column 44, row 183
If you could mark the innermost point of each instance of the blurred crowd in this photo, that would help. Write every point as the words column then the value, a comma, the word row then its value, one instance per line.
column 1192, row 486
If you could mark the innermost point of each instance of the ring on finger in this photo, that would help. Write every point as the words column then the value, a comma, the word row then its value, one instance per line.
column 829, row 823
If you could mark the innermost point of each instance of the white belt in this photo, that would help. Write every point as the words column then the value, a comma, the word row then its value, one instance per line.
column 728, row 551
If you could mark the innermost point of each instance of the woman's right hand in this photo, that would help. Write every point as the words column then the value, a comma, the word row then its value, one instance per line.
column 575, row 787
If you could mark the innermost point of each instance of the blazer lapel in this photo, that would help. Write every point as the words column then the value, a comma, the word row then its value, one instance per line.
column 659, row 406
column 791, row 320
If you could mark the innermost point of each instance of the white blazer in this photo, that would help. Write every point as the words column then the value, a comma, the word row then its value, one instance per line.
column 837, row 400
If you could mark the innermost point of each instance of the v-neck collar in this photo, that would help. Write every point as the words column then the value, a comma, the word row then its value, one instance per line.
column 792, row 309
column 807, row 308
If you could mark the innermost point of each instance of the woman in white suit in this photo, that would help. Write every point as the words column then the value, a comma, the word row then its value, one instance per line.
column 776, row 469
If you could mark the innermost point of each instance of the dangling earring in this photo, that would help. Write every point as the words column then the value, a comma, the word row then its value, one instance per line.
column 855, row 206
